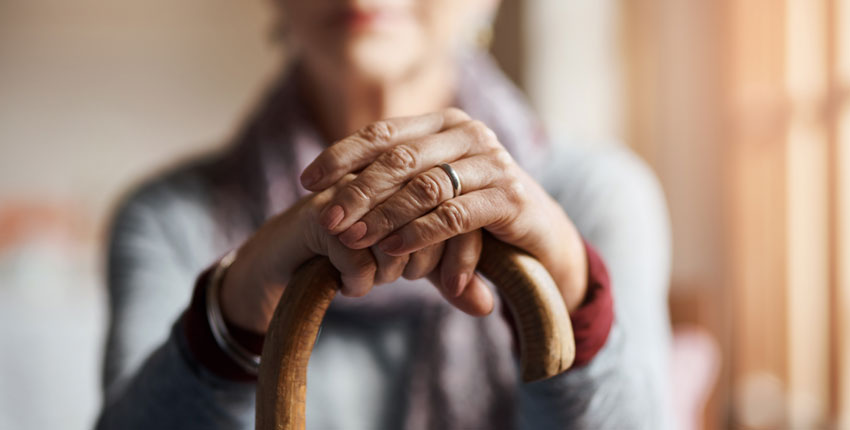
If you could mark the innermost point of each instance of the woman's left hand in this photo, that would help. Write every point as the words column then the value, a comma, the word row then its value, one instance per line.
column 403, row 201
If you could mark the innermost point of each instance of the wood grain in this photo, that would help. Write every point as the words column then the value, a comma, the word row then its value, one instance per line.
column 546, row 340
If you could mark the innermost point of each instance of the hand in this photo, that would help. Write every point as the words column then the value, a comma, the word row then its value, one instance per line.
column 255, row 281
column 402, row 203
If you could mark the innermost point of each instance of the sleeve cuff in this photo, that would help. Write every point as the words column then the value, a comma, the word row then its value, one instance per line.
column 202, row 344
column 592, row 321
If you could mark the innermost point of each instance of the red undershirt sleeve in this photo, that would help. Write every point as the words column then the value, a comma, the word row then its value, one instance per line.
column 592, row 321
column 202, row 343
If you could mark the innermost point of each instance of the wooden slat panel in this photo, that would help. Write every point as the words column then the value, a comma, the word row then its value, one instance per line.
column 838, row 114
column 756, row 187
column 808, row 244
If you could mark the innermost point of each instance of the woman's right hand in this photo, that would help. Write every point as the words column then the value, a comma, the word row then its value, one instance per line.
column 265, row 263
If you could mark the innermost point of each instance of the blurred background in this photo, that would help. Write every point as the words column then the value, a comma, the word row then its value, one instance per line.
column 742, row 108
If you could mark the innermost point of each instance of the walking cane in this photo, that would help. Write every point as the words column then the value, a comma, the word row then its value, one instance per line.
column 546, row 339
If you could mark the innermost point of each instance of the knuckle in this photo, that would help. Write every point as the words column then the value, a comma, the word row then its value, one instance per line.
column 465, row 252
column 347, row 179
column 401, row 263
column 397, row 266
column 482, row 133
column 358, row 292
column 467, row 261
column 400, row 157
column 332, row 162
column 359, row 190
column 468, row 257
column 413, row 271
column 455, row 216
column 503, row 159
column 411, row 274
column 454, row 114
column 381, row 219
column 514, row 191
column 378, row 132
column 418, row 265
column 390, row 269
column 313, row 208
column 428, row 189
column 364, row 267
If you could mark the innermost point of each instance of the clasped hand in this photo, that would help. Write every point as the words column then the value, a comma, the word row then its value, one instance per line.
column 382, row 208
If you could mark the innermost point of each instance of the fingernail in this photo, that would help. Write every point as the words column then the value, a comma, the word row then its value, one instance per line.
column 391, row 244
column 457, row 283
column 310, row 176
column 353, row 234
column 330, row 217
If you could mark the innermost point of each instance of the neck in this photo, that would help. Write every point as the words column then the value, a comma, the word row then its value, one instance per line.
column 341, row 105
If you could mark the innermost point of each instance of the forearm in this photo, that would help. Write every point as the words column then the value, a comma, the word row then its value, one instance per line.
column 171, row 390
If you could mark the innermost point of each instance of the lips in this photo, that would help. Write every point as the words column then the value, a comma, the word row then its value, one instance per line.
column 356, row 19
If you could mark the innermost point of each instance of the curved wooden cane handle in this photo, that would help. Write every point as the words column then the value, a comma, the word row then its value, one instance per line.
column 546, row 339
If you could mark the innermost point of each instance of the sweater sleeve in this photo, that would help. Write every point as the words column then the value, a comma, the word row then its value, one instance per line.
column 617, row 205
column 151, row 378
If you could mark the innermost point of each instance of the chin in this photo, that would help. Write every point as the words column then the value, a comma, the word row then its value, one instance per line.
column 382, row 59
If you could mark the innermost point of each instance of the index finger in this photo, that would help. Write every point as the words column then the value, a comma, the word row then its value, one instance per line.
column 361, row 148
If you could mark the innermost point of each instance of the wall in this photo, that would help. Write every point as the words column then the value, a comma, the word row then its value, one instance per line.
column 95, row 95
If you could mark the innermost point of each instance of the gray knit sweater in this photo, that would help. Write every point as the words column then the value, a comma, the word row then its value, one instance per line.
column 377, row 356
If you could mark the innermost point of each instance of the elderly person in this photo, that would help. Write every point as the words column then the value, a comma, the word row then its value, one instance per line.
column 351, row 155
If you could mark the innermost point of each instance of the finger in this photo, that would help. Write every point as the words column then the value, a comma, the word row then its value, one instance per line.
column 401, row 163
column 317, row 238
column 320, row 199
column 457, row 266
column 479, row 209
column 424, row 261
column 361, row 148
column 422, row 194
column 356, row 268
column 476, row 299
column 389, row 268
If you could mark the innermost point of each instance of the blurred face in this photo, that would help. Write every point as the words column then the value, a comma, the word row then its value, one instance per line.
column 379, row 40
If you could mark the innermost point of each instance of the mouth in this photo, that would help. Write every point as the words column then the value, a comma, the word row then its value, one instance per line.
column 359, row 20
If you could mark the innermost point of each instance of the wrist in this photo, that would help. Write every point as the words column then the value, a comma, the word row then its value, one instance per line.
column 201, row 341
column 253, row 284
column 573, row 276
column 248, row 360
column 566, row 259
column 240, row 295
